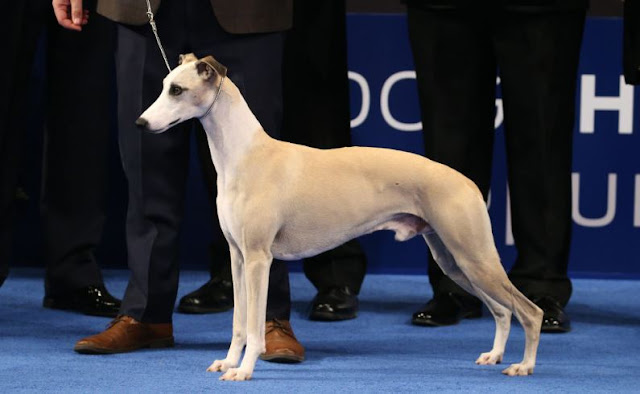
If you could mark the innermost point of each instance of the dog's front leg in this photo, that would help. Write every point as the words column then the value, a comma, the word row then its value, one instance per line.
column 239, row 338
column 256, row 271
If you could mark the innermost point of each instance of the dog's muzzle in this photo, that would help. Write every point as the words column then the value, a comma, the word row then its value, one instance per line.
column 143, row 125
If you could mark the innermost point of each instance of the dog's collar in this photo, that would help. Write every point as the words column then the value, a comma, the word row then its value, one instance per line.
column 214, row 99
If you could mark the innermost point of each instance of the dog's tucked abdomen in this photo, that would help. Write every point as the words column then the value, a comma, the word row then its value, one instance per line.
column 406, row 226
column 292, row 245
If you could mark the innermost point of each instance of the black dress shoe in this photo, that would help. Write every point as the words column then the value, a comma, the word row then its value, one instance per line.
column 333, row 304
column 214, row 296
column 446, row 310
column 91, row 300
column 554, row 320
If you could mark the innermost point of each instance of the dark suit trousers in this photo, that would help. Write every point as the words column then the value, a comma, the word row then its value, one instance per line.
column 156, row 165
column 78, row 69
column 12, row 108
column 456, row 55
column 316, row 114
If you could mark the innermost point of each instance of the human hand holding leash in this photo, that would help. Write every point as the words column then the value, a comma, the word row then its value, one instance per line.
column 70, row 14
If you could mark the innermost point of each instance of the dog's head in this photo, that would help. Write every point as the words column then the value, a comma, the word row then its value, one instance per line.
column 188, row 92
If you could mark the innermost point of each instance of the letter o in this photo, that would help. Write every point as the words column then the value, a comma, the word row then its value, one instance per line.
column 384, row 102
column 366, row 98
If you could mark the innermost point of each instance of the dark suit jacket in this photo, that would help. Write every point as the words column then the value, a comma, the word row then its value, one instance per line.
column 235, row 16
column 631, row 48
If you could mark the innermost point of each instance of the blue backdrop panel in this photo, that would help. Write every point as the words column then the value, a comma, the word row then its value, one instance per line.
column 606, row 178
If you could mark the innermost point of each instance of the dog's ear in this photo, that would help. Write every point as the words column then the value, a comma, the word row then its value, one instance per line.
column 187, row 58
column 208, row 67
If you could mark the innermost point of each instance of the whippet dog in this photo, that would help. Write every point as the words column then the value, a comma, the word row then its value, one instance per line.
column 287, row 201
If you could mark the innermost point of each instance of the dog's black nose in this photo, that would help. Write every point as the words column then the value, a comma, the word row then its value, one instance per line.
column 142, row 123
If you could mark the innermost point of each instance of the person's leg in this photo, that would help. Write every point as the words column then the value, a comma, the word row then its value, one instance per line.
column 344, row 266
column 20, row 34
column 538, row 57
column 315, row 60
column 456, row 75
column 156, row 168
column 315, row 84
column 337, row 275
column 255, row 66
column 75, row 164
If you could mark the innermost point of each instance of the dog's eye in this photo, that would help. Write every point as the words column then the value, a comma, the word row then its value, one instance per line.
column 175, row 90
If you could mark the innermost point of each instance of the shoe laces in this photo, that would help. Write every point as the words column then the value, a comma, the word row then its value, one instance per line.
column 117, row 320
column 278, row 325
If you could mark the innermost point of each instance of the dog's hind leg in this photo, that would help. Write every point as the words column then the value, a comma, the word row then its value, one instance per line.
column 509, row 299
column 464, row 227
column 489, row 278
column 256, row 280
column 501, row 314
column 239, row 338
column 530, row 317
column 446, row 262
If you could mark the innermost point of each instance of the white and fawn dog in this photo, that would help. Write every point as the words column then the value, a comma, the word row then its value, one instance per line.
column 287, row 201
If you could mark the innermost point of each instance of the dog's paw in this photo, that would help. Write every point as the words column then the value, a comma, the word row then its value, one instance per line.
column 236, row 374
column 489, row 358
column 220, row 366
column 519, row 370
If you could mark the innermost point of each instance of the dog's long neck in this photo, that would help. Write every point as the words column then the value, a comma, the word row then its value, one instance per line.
column 232, row 130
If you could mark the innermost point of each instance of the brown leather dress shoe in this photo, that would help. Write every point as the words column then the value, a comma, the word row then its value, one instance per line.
column 281, row 344
column 126, row 334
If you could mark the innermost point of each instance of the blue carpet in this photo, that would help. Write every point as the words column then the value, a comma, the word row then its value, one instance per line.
column 377, row 352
